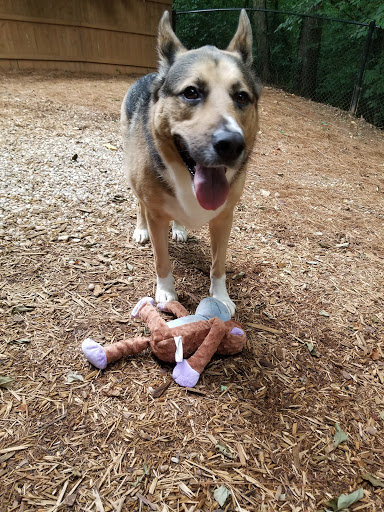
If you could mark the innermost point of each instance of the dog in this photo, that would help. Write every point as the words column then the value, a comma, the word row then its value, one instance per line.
column 188, row 130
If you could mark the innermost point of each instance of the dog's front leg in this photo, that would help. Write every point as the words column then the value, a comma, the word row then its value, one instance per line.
column 158, row 231
column 220, row 229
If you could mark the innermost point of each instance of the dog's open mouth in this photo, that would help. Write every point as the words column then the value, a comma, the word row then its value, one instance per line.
column 210, row 183
column 186, row 157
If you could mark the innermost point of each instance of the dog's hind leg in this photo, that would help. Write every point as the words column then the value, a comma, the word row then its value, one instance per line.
column 141, row 233
column 179, row 233
column 220, row 229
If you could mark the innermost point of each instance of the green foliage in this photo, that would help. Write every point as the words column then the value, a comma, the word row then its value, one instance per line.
column 340, row 436
column 221, row 494
column 337, row 47
column 196, row 30
column 362, row 11
column 344, row 501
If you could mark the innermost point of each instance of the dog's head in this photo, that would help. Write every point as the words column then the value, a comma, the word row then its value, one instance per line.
column 205, row 110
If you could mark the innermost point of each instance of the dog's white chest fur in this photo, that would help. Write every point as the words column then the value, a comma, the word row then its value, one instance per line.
column 185, row 209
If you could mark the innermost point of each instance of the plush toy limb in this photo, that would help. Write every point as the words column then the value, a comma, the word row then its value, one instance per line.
column 173, row 307
column 208, row 348
column 95, row 354
column 236, row 331
column 149, row 314
column 187, row 372
column 135, row 310
column 128, row 347
column 184, row 375
column 100, row 356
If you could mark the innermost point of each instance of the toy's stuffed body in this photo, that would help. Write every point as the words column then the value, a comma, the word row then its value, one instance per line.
column 189, row 340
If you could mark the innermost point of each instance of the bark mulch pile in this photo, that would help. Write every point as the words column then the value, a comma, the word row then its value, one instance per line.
column 294, row 421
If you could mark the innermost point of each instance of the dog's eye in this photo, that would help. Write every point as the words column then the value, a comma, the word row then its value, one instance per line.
column 242, row 98
column 191, row 93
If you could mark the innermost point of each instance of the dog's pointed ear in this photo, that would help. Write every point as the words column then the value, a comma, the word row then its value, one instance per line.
column 242, row 41
column 168, row 44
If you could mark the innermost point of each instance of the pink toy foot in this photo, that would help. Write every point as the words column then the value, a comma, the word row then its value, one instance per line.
column 94, row 353
column 184, row 375
column 141, row 302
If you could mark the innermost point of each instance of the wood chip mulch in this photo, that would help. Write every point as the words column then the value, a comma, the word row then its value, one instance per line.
column 294, row 421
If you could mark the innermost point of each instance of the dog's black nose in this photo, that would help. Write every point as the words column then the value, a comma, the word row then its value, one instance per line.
column 228, row 145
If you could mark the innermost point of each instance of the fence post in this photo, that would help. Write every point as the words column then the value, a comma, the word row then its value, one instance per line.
column 359, row 82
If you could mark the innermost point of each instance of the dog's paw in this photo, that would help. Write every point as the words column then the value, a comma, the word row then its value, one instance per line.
column 228, row 303
column 218, row 291
column 141, row 236
column 179, row 233
column 165, row 295
column 165, row 290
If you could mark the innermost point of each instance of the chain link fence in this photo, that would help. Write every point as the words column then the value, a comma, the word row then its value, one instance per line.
column 331, row 61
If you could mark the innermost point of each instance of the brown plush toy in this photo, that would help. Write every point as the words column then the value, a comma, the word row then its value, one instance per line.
column 190, row 340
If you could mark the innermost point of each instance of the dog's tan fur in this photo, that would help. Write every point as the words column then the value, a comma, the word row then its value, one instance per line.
column 158, row 174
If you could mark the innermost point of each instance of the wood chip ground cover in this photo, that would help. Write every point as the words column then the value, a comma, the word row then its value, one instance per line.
column 305, row 268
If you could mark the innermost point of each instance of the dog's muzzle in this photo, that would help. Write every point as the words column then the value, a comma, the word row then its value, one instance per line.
column 228, row 145
column 209, row 180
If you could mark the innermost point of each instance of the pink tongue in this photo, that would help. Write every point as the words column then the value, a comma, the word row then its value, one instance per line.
column 211, row 186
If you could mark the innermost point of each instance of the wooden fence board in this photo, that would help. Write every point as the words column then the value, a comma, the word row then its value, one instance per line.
column 126, row 15
column 91, row 33
column 77, row 67
column 23, row 40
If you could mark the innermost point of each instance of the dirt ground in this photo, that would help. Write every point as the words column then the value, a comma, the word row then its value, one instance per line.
column 305, row 268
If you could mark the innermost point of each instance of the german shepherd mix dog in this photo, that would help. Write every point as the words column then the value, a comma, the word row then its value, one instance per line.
column 188, row 130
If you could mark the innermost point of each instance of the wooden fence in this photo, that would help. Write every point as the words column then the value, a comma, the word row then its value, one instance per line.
column 80, row 35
